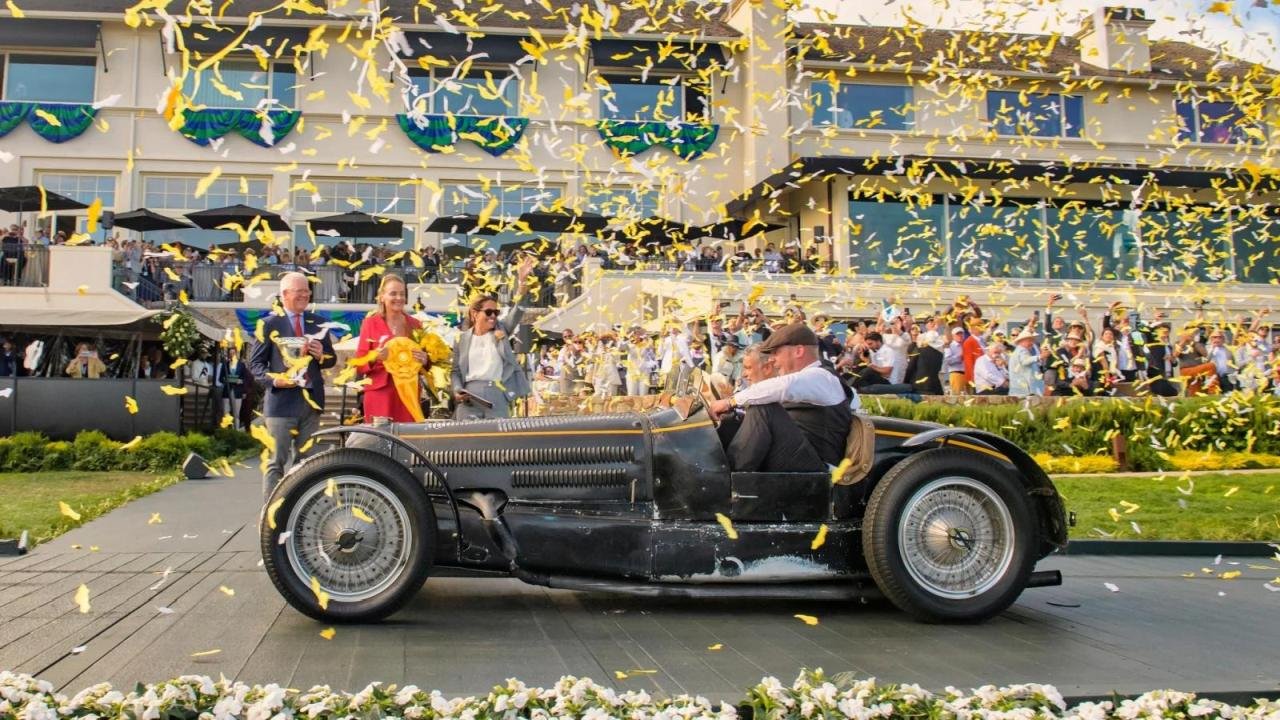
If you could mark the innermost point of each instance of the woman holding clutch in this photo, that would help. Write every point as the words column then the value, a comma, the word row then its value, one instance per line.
column 390, row 321
column 486, row 377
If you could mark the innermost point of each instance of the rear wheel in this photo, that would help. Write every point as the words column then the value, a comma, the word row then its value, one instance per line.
column 354, row 536
column 950, row 535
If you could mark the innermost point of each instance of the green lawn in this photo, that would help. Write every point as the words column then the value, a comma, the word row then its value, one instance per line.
column 29, row 501
column 1175, row 507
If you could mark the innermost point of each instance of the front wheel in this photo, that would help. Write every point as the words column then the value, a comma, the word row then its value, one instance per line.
column 950, row 536
column 353, row 539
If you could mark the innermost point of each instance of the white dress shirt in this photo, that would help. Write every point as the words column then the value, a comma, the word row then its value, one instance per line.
column 897, row 344
column 813, row 385
column 484, row 362
column 987, row 375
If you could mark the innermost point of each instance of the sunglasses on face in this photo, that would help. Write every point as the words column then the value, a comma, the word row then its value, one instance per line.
column 490, row 312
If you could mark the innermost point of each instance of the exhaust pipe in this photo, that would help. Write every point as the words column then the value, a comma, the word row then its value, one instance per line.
column 1045, row 578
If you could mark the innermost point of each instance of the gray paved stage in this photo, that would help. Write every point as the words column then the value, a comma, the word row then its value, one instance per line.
column 159, row 610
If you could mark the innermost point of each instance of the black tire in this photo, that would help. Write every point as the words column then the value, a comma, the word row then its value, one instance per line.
column 944, row 490
column 401, row 525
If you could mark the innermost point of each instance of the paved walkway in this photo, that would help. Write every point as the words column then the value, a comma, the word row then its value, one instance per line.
column 186, row 595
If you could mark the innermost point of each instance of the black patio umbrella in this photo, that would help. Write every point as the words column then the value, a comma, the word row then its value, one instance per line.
column 144, row 220
column 559, row 222
column 658, row 231
column 27, row 198
column 461, row 224
column 536, row 245
column 736, row 229
column 458, row 251
column 240, row 215
column 357, row 224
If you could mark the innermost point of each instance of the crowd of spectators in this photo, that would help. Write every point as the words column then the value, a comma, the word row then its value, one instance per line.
column 959, row 352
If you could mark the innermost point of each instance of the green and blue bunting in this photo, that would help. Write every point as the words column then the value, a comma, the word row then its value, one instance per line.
column 202, row 127
column 69, row 120
column 434, row 133
column 632, row 137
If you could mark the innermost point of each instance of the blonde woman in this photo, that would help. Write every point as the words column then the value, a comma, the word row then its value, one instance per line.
column 389, row 321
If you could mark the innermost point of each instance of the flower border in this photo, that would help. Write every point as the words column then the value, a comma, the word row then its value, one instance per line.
column 811, row 697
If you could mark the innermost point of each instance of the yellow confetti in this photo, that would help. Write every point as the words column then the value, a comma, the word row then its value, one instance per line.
column 271, row 512
column 65, row 509
column 1231, row 575
column 727, row 524
column 1129, row 508
column 155, row 519
column 820, row 539
column 48, row 117
column 82, row 598
column 135, row 442
column 173, row 390
column 131, row 405
column 322, row 597
column 202, row 187
column 227, row 591
column 1231, row 491
column 206, row 653
column 807, row 619
column 328, row 633
column 716, row 647
column 14, row 9
column 361, row 515
column 82, row 290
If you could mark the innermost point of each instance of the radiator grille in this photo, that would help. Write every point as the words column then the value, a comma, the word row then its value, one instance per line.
column 570, row 478
column 491, row 457
column 552, row 422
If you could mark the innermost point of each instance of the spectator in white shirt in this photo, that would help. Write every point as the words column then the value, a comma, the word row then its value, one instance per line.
column 990, row 374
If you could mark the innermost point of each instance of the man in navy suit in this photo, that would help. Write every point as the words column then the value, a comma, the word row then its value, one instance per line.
column 291, row 412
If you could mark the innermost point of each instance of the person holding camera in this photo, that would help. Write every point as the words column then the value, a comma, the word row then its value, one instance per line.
column 86, row 363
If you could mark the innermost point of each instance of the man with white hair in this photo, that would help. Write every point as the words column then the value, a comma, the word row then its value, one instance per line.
column 291, row 410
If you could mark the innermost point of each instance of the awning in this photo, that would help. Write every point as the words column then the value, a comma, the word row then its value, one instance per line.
column 808, row 169
column 61, row 316
column 268, row 37
column 663, row 56
column 32, row 32
column 454, row 48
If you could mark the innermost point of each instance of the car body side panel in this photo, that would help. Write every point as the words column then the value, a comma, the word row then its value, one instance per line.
column 762, row 552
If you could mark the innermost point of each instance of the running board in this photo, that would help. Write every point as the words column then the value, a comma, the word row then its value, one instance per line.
column 1045, row 578
column 753, row 591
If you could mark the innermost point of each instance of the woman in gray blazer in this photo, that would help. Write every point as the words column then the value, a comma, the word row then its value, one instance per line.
column 485, row 370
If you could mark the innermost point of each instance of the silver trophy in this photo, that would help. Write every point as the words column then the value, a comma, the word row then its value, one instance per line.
column 293, row 350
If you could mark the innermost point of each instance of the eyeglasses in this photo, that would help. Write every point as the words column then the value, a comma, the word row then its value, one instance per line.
column 491, row 312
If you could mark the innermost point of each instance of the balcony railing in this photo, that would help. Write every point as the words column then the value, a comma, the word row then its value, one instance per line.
column 24, row 264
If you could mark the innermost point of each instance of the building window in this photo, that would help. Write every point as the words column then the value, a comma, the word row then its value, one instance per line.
column 505, row 204
column 652, row 97
column 995, row 241
column 177, row 192
column 1215, row 122
column 1035, row 114
column 478, row 92
column 82, row 188
column 866, row 107
column 376, row 197
column 897, row 237
column 50, row 78
column 622, row 201
column 1256, row 247
column 274, row 86
column 1190, row 243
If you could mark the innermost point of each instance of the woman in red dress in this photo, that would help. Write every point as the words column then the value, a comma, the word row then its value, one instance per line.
column 389, row 321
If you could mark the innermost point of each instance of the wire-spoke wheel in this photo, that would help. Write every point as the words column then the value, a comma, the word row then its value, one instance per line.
column 354, row 538
column 950, row 535
column 956, row 537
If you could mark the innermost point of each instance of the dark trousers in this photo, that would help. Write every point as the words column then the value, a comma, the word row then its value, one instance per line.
column 766, row 439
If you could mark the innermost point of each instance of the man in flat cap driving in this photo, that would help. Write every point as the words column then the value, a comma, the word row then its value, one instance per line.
column 796, row 421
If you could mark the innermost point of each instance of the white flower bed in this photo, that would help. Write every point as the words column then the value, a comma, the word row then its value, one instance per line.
column 810, row 697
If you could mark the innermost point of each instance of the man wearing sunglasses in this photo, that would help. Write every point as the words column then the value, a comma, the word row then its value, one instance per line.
column 795, row 421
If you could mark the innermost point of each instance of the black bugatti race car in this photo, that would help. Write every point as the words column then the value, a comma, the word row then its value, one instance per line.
column 947, row 523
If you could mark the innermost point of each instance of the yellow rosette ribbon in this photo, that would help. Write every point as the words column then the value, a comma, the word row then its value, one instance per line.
column 404, row 369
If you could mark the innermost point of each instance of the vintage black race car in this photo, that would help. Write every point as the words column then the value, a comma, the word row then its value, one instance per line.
column 947, row 523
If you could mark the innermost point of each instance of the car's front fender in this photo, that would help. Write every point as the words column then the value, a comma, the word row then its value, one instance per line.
column 1053, row 514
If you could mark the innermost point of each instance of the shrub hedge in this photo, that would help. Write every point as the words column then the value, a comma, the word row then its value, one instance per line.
column 1159, row 431
column 91, row 450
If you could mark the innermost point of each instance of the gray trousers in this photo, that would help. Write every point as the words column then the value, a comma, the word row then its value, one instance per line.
column 489, row 391
column 287, row 445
